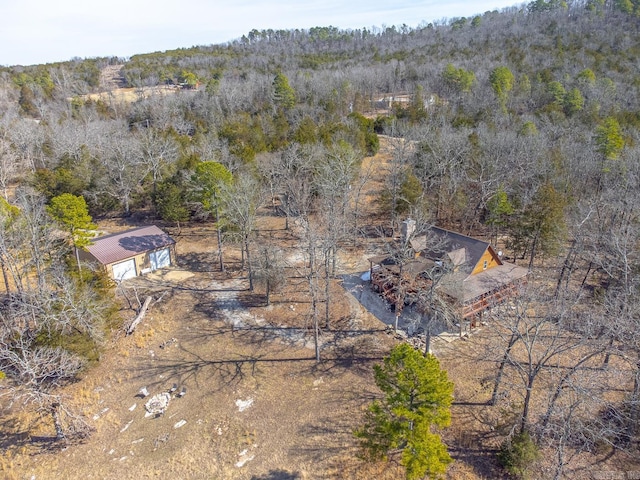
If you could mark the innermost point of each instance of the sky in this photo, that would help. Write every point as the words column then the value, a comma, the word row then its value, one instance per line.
column 45, row 31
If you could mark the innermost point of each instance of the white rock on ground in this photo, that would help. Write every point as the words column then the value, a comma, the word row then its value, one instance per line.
column 158, row 403
column 244, row 404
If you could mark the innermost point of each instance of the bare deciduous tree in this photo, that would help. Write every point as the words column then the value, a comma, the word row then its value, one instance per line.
column 242, row 199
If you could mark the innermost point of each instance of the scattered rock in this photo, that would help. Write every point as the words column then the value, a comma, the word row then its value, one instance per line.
column 168, row 342
column 126, row 426
column 180, row 424
column 158, row 403
column 244, row 459
column 241, row 462
column 161, row 439
column 101, row 413
column 244, row 404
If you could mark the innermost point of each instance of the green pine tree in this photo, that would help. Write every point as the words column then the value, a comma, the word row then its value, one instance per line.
column 417, row 400
column 72, row 213
column 609, row 138
column 502, row 81
column 170, row 204
column 573, row 102
column 283, row 95
column 209, row 181
column 499, row 210
column 458, row 79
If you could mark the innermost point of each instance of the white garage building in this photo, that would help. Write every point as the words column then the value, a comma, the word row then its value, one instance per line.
column 132, row 253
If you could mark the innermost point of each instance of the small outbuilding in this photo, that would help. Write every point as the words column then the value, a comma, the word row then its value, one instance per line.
column 132, row 253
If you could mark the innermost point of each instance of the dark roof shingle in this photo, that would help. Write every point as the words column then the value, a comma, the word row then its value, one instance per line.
column 463, row 251
column 471, row 287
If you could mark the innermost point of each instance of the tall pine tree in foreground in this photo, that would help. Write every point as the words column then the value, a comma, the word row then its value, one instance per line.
column 417, row 401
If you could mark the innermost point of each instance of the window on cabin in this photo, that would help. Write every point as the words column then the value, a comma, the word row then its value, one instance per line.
column 485, row 264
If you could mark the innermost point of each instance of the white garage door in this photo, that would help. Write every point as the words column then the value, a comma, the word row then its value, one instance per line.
column 160, row 258
column 124, row 270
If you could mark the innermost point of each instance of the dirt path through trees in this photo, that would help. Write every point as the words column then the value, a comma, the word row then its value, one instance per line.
column 111, row 78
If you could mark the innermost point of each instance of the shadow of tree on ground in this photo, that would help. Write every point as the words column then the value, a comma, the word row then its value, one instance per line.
column 277, row 475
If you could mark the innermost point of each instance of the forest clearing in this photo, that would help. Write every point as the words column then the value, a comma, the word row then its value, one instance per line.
column 368, row 253
column 256, row 404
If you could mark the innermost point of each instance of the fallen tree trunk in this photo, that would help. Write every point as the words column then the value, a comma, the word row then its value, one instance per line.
column 141, row 313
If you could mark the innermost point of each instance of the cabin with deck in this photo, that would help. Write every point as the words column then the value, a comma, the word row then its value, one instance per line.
column 468, row 271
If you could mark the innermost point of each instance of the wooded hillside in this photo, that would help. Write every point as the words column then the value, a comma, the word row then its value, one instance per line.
column 521, row 126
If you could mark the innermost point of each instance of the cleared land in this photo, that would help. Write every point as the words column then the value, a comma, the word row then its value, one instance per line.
column 256, row 406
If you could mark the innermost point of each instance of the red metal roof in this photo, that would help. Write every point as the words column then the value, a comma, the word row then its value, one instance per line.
column 120, row 246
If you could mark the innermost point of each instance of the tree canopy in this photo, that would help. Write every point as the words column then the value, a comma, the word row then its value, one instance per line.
column 417, row 398
column 458, row 78
column 284, row 96
column 209, row 179
column 72, row 213
column 502, row 80
column 609, row 138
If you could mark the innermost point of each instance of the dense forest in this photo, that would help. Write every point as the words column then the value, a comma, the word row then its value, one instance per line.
column 520, row 125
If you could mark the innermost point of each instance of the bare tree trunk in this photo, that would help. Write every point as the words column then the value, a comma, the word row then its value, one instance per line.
column 327, row 291
column 533, row 250
column 268, row 292
column 313, row 285
column 427, row 338
column 313, row 290
column 607, row 356
column 55, row 414
column 246, row 248
column 527, row 404
column 560, row 456
column 78, row 259
column 140, row 316
column 586, row 275
column 635, row 397
column 219, row 233
column 567, row 267
column 316, row 330
column 5, row 276
column 334, row 260
column 496, row 385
